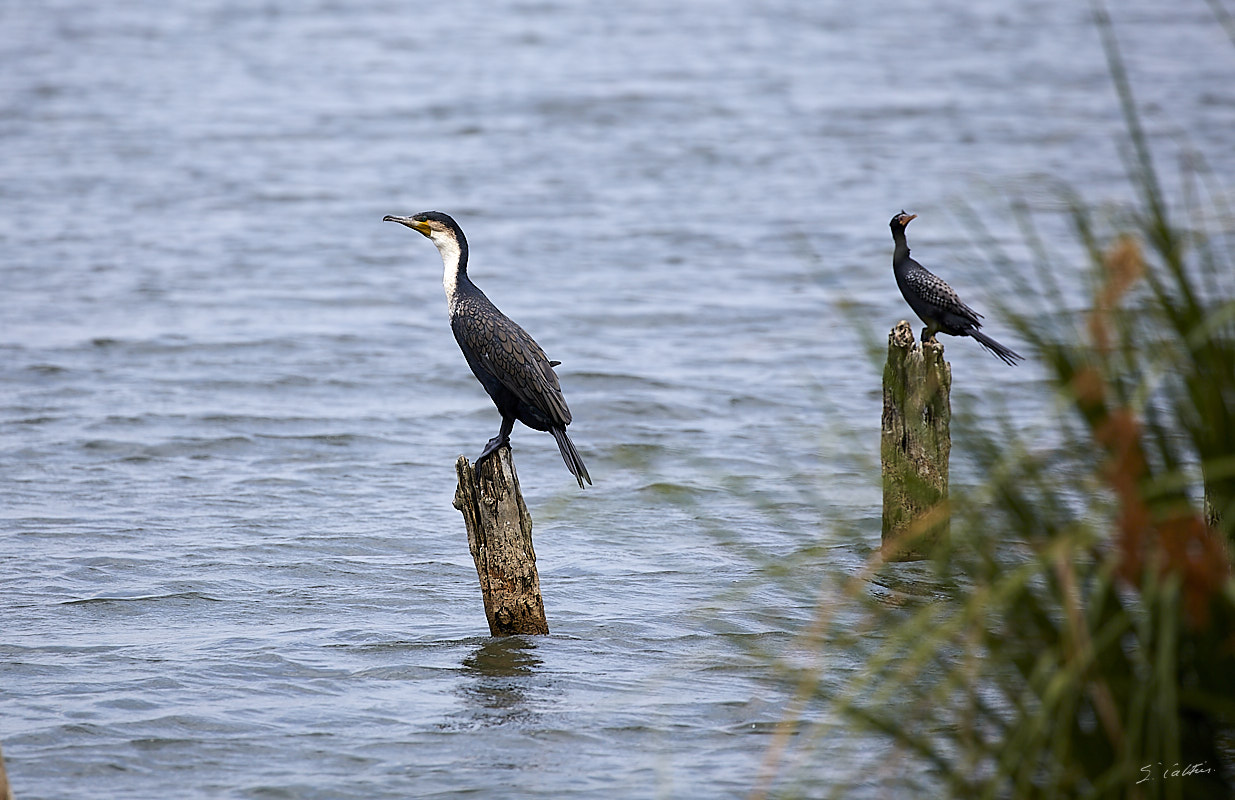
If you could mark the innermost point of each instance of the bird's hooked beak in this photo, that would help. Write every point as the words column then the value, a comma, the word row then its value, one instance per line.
column 907, row 218
column 414, row 224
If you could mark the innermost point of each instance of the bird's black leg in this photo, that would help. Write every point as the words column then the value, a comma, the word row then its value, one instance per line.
column 928, row 333
column 503, row 437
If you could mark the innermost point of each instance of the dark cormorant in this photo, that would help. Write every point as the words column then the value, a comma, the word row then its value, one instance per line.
column 934, row 301
column 506, row 360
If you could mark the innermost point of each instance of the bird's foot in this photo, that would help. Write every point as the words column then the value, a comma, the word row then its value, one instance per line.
column 492, row 446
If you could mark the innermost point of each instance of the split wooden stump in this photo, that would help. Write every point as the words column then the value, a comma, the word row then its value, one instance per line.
column 499, row 534
column 915, row 446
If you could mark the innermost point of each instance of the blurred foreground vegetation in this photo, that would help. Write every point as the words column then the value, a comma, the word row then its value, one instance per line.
column 1084, row 641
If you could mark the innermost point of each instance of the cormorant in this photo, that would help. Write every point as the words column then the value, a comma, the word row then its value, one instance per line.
column 506, row 360
column 934, row 301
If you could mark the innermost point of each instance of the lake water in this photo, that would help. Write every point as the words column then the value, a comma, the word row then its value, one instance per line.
column 230, row 402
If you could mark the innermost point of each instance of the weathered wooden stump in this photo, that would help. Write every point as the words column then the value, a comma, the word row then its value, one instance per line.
column 5, row 792
column 915, row 445
column 499, row 534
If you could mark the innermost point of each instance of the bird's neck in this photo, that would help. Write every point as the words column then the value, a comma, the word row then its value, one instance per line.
column 454, row 266
column 901, row 253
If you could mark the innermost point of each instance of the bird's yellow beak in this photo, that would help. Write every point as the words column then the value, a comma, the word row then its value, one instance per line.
column 415, row 224
column 910, row 218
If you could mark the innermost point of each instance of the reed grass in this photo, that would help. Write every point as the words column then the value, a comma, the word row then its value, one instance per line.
column 1082, row 643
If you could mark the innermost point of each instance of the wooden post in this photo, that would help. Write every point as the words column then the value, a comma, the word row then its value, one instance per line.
column 6, row 793
column 499, row 534
column 915, row 446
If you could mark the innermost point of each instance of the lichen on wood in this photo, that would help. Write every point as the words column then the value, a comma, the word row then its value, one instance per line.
column 499, row 534
column 915, row 445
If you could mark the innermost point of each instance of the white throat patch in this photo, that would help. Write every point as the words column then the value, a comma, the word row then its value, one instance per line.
column 449, row 250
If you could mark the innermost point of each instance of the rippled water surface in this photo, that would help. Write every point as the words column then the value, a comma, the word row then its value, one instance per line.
column 230, row 403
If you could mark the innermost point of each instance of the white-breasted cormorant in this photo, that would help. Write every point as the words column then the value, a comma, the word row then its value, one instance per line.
column 934, row 301
column 506, row 360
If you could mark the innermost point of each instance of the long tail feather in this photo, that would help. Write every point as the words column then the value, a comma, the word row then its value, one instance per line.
column 571, row 456
column 1005, row 354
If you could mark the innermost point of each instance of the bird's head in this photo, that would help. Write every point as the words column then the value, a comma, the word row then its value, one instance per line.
column 441, row 230
column 901, row 220
column 433, row 224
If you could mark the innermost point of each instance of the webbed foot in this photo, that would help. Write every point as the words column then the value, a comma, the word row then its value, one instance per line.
column 492, row 446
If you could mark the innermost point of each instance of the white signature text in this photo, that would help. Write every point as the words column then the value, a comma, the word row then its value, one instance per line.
column 1174, row 771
